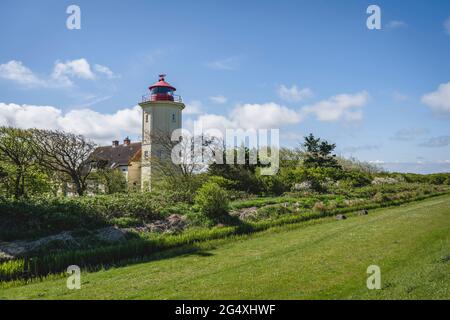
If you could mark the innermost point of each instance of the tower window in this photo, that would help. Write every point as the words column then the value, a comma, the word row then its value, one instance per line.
column 145, row 154
column 146, row 117
column 173, row 117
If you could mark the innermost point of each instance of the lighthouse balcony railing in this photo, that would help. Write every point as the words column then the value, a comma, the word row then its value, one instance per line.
column 161, row 97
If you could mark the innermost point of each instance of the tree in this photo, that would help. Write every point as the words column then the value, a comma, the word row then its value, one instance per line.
column 66, row 153
column 111, row 178
column 243, row 175
column 182, row 172
column 16, row 152
column 319, row 153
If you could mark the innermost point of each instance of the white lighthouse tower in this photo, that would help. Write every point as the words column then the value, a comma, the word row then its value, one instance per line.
column 162, row 112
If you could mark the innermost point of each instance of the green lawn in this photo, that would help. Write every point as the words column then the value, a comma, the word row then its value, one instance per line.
column 411, row 245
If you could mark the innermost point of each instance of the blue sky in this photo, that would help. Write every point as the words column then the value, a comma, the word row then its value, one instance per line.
column 301, row 66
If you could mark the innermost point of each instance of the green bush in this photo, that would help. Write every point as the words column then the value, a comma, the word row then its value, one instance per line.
column 356, row 179
column 212, row 200
column 42, row 216
column 273, row 184
column 137, row 249
column 222, row 182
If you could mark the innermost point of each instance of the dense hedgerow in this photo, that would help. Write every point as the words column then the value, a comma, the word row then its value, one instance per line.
column 41, row 216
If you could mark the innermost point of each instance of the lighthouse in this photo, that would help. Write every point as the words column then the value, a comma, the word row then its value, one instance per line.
column 162, row 112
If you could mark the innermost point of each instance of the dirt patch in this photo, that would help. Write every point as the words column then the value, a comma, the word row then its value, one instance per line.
column 173, row 224
column 245, row 213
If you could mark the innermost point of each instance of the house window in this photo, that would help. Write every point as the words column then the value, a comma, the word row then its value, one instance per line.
column 146, row 118
column 173, row 117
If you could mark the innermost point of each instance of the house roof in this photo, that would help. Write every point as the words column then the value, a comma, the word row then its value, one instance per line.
column 120, row 155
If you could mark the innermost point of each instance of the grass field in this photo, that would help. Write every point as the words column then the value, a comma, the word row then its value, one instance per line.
column 326, row 259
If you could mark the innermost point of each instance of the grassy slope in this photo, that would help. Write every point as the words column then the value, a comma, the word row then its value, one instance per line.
column 411, row 244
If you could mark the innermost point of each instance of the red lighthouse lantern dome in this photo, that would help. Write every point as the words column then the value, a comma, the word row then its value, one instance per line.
column 161, row 90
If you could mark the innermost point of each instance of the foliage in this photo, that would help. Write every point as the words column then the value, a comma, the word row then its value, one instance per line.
column 352, row 164
column 290, row 248
column 316, row 177
column 273, row 184
column 66, row 153
column 319, row 153
column 355, row 179
column 17, row 154
column 41, row 216
column 212, row 200
column 113, row 180
column 178, row 165
column 242, row 175
column 134, row 249
column 222, row 182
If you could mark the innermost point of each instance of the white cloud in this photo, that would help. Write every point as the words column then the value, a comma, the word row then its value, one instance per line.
column 252, row 116
column 230, row 63
column 394, row 24
column 15, row 71
column 439, row 100
column 194, row 107
column 80, row 68
column 268, row 115
column 105, row 70
column 345, row 107
column 102, row 128
column 274, row 116
column 220, row 99
column 62, row 75
column 293, row 94
column 447, row 25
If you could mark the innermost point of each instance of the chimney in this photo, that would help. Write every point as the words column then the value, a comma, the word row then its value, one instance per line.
column 115, row 143
column 127, row 141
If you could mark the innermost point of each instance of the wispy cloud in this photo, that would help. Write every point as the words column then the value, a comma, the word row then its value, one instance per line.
column 294, row 93
column 93, row 101
column 194, row 107
column 437, row 142
column 409, row 134
column 366, row 147
column 106, row 71
column 230, row 63
column 219, row 99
